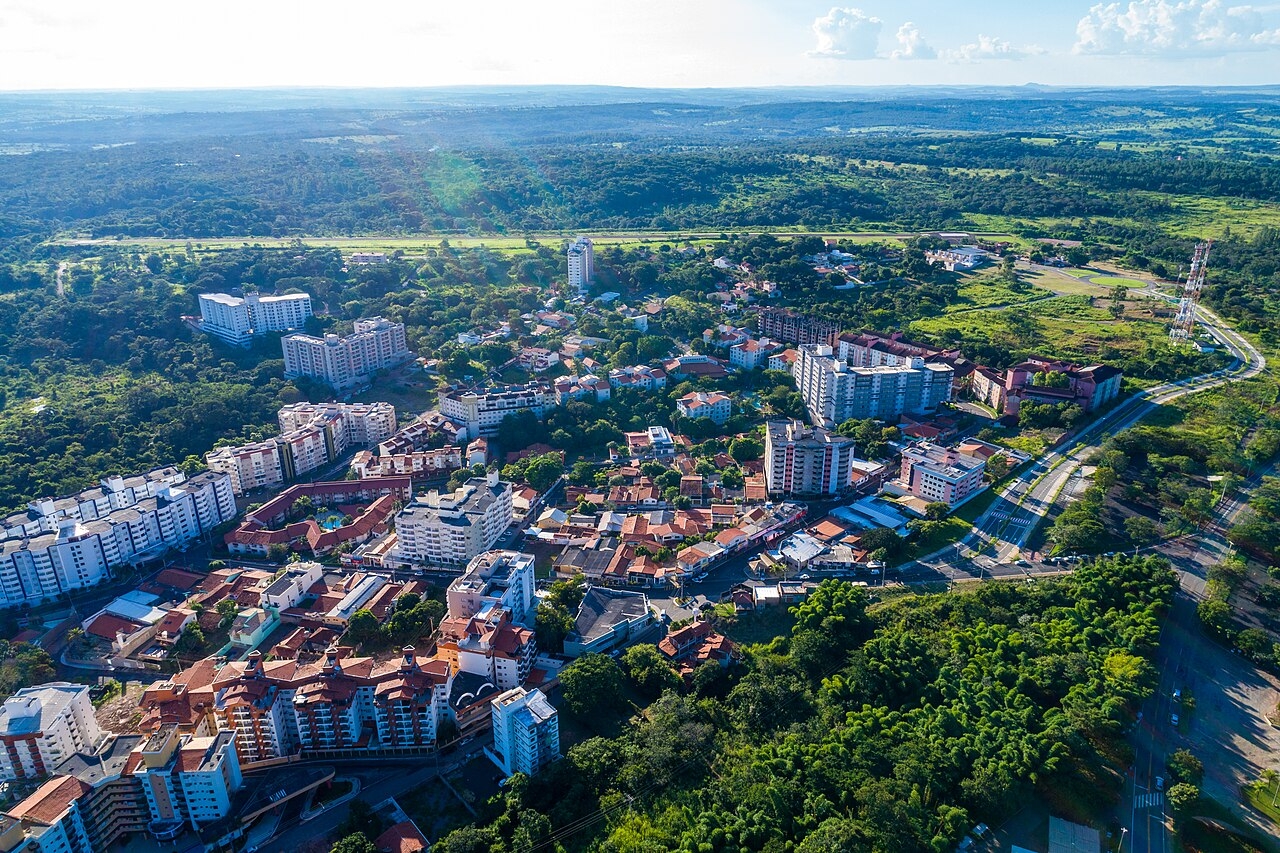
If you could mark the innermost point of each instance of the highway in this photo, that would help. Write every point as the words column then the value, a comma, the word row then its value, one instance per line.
column 994, row 545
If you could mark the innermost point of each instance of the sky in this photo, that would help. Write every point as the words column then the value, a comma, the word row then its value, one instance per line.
column 149, row 44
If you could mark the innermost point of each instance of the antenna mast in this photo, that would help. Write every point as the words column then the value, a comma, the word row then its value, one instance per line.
column 1185, row 321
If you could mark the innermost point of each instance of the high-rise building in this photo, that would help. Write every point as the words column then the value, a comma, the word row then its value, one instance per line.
column 526, row 731
column 783, row 324
column 237, row 321
column 40, row 726
column 450, row 530
column 804, row 460
column 582, row 263
column 834, row 392
column 343, row 362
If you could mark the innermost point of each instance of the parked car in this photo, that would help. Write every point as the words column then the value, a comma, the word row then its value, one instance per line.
column 1177, row 695
column 1173, row 718
column 1159, row 783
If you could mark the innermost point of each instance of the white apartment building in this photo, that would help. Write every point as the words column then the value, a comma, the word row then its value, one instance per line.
column 752, row 353
column 450, row 530
column 833, row 391
column 495, row 580
column 291, row 586
column 40, row 726
column 420, row 463
column 343, row 362
column 641, row 376
column 526, row 731
column 48, row 821
column 187, row 781
column 482, row 413
column 582, row 264
column 61, row 544
column 940, row 474
column 705, row 404
column 804, row 460
column 312, row 435
column 237, row 321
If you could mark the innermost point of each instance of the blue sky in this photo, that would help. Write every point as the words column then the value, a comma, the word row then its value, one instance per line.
column 78, row 44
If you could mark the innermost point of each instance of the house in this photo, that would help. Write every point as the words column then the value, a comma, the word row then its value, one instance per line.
column 695, row 644
column 705, row 404
column 698, row 557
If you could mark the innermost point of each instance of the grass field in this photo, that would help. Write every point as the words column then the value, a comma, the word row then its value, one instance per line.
column 987, row 289
column 1114, row 280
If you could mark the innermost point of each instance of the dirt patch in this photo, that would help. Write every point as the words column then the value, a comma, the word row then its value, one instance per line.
column 121, row 714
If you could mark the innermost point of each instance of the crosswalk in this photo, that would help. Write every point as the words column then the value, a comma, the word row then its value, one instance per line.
column 1004, row 516
column 1148, row 801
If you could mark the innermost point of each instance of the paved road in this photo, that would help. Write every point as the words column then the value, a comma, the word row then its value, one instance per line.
column 999, row 535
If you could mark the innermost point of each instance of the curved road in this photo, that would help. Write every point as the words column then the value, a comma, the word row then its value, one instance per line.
column 994, row 544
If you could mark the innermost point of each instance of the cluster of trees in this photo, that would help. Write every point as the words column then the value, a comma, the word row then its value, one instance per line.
column 412, row 618
column 23, row 665
column 1259, row 531
column 554, row 619
column 855, row 732
column 538, row 471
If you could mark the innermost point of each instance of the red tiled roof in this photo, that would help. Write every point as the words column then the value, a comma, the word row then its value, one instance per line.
column 106, row 626
column 401, row 838
column 50, row 800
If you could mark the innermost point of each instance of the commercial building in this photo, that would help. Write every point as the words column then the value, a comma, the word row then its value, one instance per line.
column 526, row 731
column 940, row 474
column 344, row 362
column 783, row 324
column 450, row 530
column 482, row 412
column 61, row 544
column 803, row 460
column 957, row 259
column 237, row 321
column 833, row 391
column 582, row 264
column 607, row 619
column 312, row 435
column 41, row 726
column 705, row 404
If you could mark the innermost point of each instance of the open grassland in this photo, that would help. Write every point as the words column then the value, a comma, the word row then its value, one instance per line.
column 988, row 289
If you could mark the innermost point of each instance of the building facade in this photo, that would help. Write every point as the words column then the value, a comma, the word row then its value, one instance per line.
column 482, row 412
column 237, row 321
column 526, row 731
column 803, row 460
column 783, row 324
column 41, row 726
column 450, row 530
column 940, row 474
column 345, row 362
column 705, row 404
column 833, row 391
column 582, row 263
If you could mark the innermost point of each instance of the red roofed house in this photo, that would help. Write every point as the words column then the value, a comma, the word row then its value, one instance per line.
column 695, row 644
column 404, row 837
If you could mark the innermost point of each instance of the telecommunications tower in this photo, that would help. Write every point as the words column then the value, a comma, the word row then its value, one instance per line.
column 1186, row 319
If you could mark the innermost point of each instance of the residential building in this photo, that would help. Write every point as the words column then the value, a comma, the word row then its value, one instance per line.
column 752, row 353
column 41, row 726
column 291, row 585
column 482, row 412
column 312, row 435
column 705, row 404
column 430, row 429
column 187, row 781
column 237, row 321
column 783, row 324
column 345, row 362
column 582, row 261
column 834, row 391
column 1046, row 381
column 422, row 463
column 607, row 619
column 696, row 365
column 365, row 258
column 48, row 821
column 537, row 359
column 940, row 474
column 695, row 644
column 590, row 388
column 804, row 460
column 61, row 544
column 269, row 524
column 640, row 376
column 783, row 361
column 655, row 442
column 450, row 530
column 526, row 731
column 871, row 349
column 496, row 580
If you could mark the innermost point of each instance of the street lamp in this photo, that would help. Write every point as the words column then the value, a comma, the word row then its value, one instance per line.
column 1123, row 830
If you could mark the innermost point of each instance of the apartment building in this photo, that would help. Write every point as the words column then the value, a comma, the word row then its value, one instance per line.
column 277, row 708
column 834, row 391
column 345, row 362
column 428, row 430
column 582, row 263
column 641, row 377
column 705, row 404
column 526, row 731
column 421, row 463
column 48, row 821
column 804, row 460
column 237, row 321
column 312, row 435
column 495, row 580
column 61, row 544
column 588, row 387
column 752, row 353
column 783, row 324
column 1047, row 381
column 41, row 726
column 870, row 349
column 482, row 412
column 187, row 781
column 450, row 530
column 940, row 474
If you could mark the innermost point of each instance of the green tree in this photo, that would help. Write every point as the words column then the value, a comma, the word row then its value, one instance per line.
column 354, row 843
column 746, row 449
column 363, row 627
column 936, row 511
column 1141, row 530
column 227, row 611
column 1185, row 767
column 277, row 553
column 1183, row 797
column 592, row 681
column 649, row 670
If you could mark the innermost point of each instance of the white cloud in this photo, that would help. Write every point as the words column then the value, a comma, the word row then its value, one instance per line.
column 911, row 45
column 1173, row 29
column 846, row 34
column 990, row 47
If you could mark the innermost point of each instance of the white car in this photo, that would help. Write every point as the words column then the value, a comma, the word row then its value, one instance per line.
column 1173, row 719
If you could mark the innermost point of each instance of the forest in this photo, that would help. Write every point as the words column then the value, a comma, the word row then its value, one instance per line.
column 895, row 726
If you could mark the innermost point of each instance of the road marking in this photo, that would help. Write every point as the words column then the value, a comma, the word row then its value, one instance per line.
column 1148, row 801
